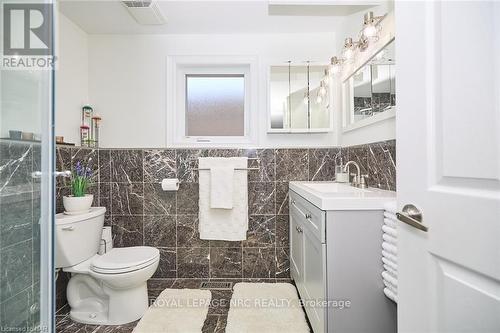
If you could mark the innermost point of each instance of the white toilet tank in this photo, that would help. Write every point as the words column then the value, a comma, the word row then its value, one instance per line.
column 77, row 237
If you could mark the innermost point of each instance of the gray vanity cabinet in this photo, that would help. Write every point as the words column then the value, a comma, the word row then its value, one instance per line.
column 335, row 256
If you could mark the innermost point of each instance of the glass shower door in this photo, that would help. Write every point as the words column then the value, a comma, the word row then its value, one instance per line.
column 26, row 168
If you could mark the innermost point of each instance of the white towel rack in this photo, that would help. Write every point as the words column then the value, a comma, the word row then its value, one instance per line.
column 234, row 169
column 250, row 158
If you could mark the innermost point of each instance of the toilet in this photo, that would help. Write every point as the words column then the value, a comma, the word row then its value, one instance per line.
column 108, row 289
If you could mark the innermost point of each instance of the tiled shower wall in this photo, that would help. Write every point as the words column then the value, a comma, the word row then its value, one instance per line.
column 19, row 235
column 126, row 182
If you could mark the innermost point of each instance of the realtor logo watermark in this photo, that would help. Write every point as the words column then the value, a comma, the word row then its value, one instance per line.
column 28, row 36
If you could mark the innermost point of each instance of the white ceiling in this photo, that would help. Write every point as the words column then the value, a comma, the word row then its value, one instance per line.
column 215, row 17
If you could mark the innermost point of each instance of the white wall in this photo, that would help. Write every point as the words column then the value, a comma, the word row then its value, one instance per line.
column 71, row 79
column 380, row 131
column 127, row 80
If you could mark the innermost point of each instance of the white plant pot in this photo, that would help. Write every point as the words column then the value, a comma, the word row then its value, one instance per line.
column 77, row 205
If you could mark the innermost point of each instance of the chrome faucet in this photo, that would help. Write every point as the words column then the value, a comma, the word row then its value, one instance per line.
column 358, row 179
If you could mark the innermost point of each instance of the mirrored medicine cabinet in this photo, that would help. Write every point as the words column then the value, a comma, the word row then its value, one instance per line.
column 369, row 94
column 299, row 98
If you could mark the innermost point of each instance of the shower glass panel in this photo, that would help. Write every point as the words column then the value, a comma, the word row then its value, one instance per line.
column 26, row 182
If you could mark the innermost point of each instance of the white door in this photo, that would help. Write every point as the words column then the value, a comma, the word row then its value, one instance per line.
column 448, row 136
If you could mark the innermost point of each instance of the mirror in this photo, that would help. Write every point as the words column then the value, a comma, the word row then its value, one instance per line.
column 299, row 98
column 371, row 90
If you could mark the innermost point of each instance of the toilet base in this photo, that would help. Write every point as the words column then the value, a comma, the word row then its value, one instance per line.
column 93, row 302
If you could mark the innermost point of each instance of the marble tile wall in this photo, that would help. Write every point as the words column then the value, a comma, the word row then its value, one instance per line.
column 19, row 235
column 127, row 184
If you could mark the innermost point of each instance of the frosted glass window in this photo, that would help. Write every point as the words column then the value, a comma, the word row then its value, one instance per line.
column 215, row 105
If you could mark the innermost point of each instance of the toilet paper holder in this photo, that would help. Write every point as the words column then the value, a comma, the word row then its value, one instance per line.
column 170, row 184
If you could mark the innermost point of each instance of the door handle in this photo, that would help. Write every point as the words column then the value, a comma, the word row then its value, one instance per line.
column 70, row 228
column 412, row 216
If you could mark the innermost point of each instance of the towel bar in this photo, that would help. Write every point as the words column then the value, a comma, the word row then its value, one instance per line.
column 249, row 158
column 234, row 169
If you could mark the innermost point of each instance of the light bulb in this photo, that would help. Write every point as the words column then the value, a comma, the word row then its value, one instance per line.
column 370, row 30
column 319, row 99
column 370, row 25
column 334, row 69
column 335, row 65
column 348, row 53
column 348, row 48
column 322, row 91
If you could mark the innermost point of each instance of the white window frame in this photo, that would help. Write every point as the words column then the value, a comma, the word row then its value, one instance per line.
column 177, row 69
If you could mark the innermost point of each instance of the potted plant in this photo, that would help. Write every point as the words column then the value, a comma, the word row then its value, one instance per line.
column 79, row 202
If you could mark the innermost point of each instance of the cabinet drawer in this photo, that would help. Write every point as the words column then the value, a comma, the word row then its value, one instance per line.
column 313, row 217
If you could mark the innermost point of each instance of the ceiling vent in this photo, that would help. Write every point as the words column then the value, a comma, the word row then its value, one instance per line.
column 145, row 12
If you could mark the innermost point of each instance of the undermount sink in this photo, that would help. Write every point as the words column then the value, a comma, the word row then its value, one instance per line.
column 340, row 196
column 333, row 187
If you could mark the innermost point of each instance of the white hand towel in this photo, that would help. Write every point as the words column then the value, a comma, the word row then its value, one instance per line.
column 390, row 278
column 389, row 239
column 389, row 285
column 390, row 270
column 223, row 224
column 390, row 231
column 390, row 248
column 390, row 256
column 390, row 223
column 390, row 251
column 221, row 187
column 390, row 216
column 390, row 263
column 391, row 295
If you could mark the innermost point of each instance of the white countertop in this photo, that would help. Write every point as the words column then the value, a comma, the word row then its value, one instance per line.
column 339, row 196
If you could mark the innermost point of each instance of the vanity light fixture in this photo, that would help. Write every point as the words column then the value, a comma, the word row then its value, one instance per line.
column 371, row 25
column 369, row 32
column 335, row 65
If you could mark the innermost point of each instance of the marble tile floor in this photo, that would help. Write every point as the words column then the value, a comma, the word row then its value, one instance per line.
column 214, row 323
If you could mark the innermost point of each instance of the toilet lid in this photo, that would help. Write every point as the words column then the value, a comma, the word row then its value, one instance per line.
column 125, row 259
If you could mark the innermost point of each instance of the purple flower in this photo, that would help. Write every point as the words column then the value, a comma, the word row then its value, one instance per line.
column 79, row 169
column 82, row 171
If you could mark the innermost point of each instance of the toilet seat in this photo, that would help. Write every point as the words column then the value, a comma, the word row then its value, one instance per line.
column 125, row 260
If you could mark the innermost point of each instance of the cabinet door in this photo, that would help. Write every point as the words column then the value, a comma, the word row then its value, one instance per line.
column 296, row 248
column 314, row 277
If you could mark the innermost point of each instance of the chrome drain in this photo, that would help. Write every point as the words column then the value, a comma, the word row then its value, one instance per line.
column 216, row 285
